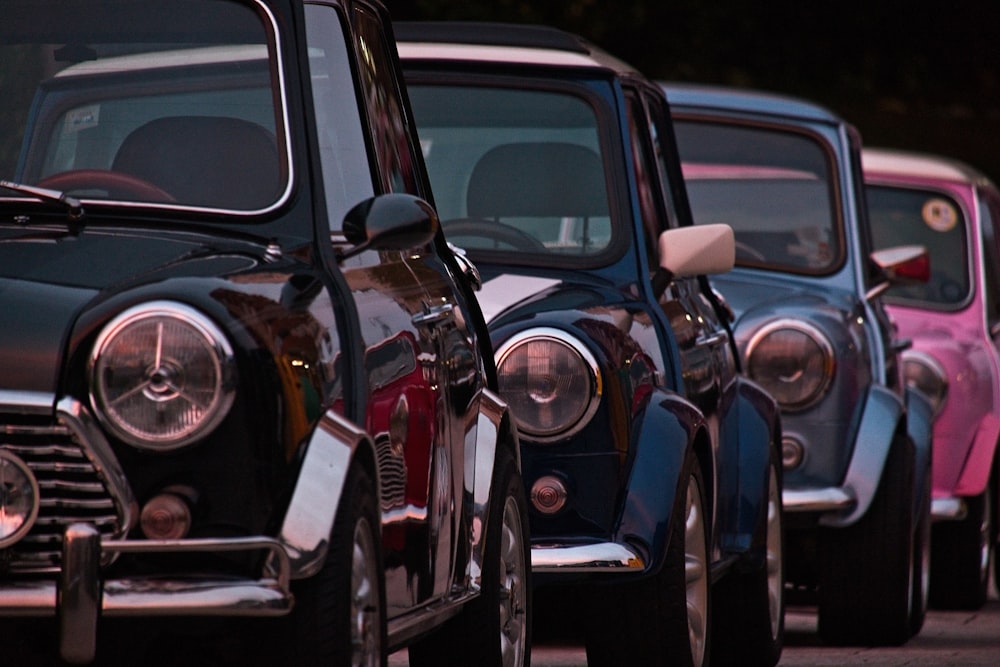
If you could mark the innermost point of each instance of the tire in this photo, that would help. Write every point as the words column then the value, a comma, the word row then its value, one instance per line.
column 920, row 597
column 494, row 629
column 329, row 627
column 867, row 569
column 663, row 619
column 960, row 557
column 748, row 607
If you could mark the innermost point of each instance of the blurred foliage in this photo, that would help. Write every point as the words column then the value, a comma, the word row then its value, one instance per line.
column 921, row 76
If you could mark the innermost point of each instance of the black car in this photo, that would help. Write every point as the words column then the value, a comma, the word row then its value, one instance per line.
column 653, row 466
column 242, row 375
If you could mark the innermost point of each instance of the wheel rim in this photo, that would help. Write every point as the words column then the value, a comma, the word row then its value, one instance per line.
column 696, row 572
column 985, row 528
column 366, row 637
column 774, row 555
column 513, row 593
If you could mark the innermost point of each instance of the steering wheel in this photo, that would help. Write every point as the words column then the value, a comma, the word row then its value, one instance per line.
column 749, row 252
column 116, row 183
column 498, row 232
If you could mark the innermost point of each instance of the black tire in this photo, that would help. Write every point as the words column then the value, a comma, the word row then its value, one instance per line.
column 867, row 569
column 921, row 561
column 960, row 555
column 663, row 619
column 331, row 627
column 493, row 630
column 748, row 606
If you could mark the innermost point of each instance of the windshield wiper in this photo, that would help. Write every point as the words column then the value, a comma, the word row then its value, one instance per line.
column 73, row 205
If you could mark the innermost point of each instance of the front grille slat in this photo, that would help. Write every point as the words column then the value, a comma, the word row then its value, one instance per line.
column 72, row 490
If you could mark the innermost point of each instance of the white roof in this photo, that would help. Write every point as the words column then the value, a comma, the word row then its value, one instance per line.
column 917, row 165
column 494, row 54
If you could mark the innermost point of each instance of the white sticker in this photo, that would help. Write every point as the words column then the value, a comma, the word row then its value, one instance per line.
column 939, row 214
column 82, row 118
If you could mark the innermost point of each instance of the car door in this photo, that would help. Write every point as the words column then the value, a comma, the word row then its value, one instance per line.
column 420, row 360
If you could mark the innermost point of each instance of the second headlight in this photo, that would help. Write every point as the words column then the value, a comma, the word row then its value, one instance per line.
column 551, row 382
column 793, row 361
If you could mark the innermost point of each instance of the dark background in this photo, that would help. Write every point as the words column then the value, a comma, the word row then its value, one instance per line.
column 921, row 76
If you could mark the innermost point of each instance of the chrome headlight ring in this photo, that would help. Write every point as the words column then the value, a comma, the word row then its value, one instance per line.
column 551, row 382
column 161, row 375
column 925, row 373
column 793, row 360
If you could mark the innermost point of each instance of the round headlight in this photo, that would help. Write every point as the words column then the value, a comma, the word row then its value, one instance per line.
column 923, row 372
column 161, row 375
column 550, row 381
column 19, row 498
column 793, row 361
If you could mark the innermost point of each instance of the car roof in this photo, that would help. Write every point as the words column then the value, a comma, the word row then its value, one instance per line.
column 894, row 162
column 506, row 43
column 730, row 98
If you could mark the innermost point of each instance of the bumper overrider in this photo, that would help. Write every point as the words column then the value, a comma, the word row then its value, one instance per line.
column 67, row 583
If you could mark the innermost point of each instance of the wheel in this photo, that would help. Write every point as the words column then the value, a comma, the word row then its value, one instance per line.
column 867, row 569
column 960, row 557
column 921, row 561
column 494, row 230
column 115, row 183
column 339, row 614
column 493, row 630
column 748, row 607
column 663, row 619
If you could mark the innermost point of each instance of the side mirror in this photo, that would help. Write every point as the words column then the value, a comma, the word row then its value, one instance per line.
column 901, row 265
column 389, row 222
column 694, row 251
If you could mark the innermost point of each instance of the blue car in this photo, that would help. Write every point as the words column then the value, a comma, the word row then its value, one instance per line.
column 652, row 464
column 811, row 329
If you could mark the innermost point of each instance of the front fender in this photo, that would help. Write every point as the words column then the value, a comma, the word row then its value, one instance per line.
column 976, row 470
column 305, row 532
column 920, row 428
column 664, row 433
column 880, row 418
column 759, row 432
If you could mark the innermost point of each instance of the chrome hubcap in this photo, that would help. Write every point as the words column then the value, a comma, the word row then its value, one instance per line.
column 774, row 562
column 365, row 613
column 513, row 595
column 696, row 571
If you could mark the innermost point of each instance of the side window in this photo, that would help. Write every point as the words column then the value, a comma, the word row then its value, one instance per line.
column 383, row 104
column 650, row 207
column 989, row 212
column 664, row 150
column 347, row 179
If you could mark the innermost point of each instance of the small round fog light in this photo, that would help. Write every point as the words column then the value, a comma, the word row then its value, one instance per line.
column 165, row 517
column 548, row 494
column 18, row 498
column 792, row 453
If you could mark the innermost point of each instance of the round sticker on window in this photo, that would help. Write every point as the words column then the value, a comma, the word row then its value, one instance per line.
column 939, row 214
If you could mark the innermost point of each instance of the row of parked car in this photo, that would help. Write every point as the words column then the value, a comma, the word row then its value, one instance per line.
column 338, row 337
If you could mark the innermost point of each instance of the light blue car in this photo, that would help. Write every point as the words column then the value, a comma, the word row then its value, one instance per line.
column 811, row 329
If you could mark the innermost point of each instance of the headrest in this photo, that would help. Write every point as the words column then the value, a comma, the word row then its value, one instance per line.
column 210, row 161
column 538, row 179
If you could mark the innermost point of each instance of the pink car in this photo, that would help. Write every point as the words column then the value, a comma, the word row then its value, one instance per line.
column 953, row 322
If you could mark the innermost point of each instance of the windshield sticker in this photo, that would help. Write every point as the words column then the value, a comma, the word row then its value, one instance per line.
column 82, row 118
column 939, row 215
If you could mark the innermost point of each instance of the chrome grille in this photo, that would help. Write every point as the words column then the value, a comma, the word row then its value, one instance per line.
column 72, row 489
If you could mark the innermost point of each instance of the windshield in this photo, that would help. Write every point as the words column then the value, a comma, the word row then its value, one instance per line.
column 169, row 102
column 906, row 216
column 517, row 173
column 773, row 188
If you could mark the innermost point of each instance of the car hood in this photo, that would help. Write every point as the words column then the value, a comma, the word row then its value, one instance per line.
column 751, row 297
column 47, row 280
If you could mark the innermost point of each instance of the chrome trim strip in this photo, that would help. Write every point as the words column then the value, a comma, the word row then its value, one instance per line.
column 948, row 509
column 827, row 499
column 26, row 402
column 588, row 558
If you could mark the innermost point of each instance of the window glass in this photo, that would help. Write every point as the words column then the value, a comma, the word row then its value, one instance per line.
column 171, row 102
column 907, row 216
column 989, row 214
column 515, row 171
column 774, row 188
column 347, row 179
column 385, row 109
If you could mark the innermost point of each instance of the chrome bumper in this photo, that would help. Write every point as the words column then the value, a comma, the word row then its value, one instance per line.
column 948, row 509
column 586, row 558
column 828, row 499
column 80, row 597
